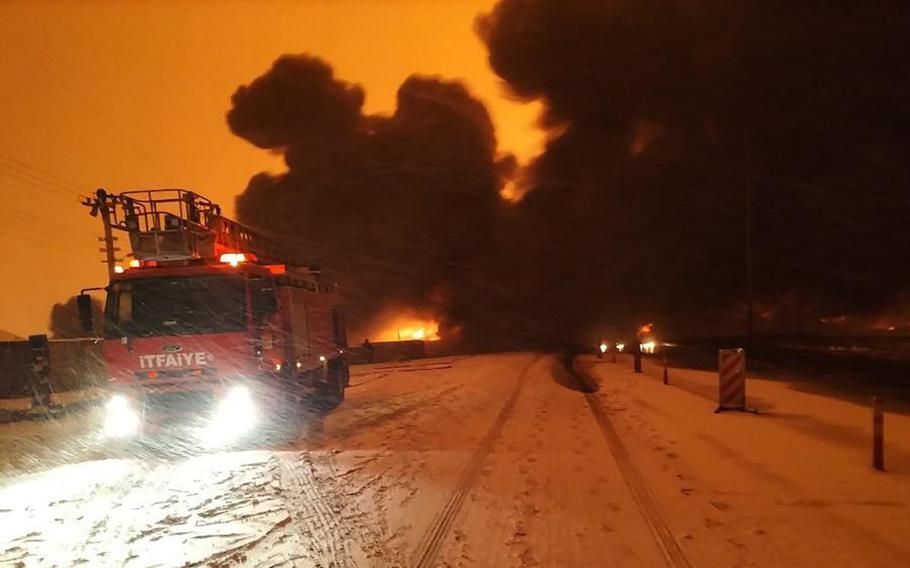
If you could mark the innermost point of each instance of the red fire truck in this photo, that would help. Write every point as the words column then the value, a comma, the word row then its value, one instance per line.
column 211, row 322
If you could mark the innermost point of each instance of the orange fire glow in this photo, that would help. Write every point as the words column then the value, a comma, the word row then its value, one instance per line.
column 423, row 331
column 405, row 325
column 511, row 193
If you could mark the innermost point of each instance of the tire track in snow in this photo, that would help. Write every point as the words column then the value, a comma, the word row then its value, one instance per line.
column 639, row 489
column 313, row 517
column 325, row 527
column 379, row 418
column 433, row 539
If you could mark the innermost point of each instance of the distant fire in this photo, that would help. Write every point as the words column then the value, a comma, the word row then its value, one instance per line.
column 404, row 325
column 512, row 192
column 644, row 133
column 419, row 331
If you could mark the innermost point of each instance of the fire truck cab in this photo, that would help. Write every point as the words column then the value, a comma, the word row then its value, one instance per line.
column 213, row 322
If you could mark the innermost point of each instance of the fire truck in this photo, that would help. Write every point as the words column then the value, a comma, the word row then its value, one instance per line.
column 211, row 322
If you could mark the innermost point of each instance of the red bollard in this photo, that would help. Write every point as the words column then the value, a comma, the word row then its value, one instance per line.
column 614, row 357
column 666, row 373
column 878, row 434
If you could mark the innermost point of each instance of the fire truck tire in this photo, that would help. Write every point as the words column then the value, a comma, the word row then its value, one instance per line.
column 332, row 393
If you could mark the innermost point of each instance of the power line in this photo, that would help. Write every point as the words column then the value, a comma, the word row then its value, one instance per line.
column 39, row 173
column 27, row 175
column 31, row 182
column 28, row 218
column 36, row 239
column 87, row 103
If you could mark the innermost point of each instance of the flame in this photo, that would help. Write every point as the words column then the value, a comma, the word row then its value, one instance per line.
column 510, row 192
column 514, row 190
column 645, row 132
column 403, row 324
column 425, row 330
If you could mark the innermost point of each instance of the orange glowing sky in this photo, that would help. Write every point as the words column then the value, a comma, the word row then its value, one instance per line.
column 129, row 95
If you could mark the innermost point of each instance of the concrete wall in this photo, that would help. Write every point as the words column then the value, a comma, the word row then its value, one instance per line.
column 385, row 351
column 75, row 364
column 15, row 366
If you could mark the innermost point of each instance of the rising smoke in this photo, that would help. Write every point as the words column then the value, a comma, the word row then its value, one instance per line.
column 398, row 208
column 665, row 112
column 663, row 116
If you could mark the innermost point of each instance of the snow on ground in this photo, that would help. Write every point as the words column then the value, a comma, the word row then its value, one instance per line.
column 31, row 445
column 789, row 486
column 63, row 399
column 493, row 460
column 126, row 513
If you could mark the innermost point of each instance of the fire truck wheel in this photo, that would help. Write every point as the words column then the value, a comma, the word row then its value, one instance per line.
column 332, row 393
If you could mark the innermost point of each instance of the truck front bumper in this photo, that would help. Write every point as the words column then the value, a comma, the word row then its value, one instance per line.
column 212, row 417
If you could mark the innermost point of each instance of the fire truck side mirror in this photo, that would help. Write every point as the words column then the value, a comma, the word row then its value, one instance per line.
column 84, row 305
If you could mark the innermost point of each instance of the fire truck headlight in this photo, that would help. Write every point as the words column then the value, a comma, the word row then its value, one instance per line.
column 120, row 420
column 234, row 416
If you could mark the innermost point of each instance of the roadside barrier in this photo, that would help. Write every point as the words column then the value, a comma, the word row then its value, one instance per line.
column 731, row 392
column 40, row 377
column 75, row 364
column 878, row 434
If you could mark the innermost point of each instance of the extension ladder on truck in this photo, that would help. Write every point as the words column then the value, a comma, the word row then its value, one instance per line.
column 176, row 224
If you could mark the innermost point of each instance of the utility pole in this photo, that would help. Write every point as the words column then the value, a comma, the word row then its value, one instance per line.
column 750, row 316
column 99, row 205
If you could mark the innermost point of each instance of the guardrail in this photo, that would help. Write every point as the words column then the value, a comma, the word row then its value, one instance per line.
column 74, row 364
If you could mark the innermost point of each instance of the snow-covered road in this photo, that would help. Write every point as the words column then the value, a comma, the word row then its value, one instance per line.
column 493, row 460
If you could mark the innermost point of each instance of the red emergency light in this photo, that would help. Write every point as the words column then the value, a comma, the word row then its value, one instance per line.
column 235, row 258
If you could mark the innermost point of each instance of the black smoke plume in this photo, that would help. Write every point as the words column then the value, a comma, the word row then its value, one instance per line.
column 399, row 209
column 668, row 121
column 666, row 115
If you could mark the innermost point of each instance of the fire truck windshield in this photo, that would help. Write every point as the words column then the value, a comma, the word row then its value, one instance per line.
column 175, row 306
